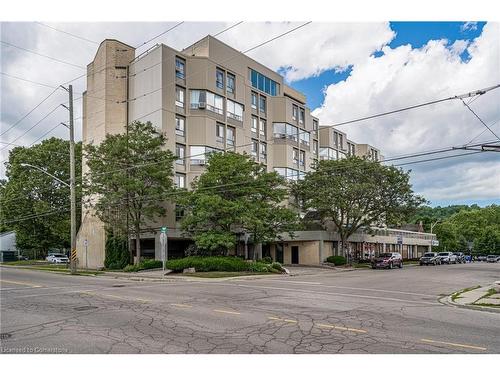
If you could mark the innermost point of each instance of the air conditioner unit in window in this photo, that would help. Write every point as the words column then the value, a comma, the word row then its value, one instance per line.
column 202, row 105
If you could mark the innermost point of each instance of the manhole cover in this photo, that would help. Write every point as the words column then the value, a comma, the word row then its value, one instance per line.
column 118, row 286
column 5, row 336
column 85, row 308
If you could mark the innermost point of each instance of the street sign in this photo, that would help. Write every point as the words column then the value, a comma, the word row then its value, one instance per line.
column 434, row 243
column 163, row 230
column 400, row 239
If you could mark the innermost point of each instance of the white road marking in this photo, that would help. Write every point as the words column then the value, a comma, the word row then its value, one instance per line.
column 454, row 344
column 227, row 312
column 338, row 294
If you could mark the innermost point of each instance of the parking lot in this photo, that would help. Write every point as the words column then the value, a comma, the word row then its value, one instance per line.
column 314, row 311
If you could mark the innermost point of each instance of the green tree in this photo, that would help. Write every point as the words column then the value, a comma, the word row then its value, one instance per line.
column 129, row 179
column 33, row 204
column 356, row 192
column 236, row 195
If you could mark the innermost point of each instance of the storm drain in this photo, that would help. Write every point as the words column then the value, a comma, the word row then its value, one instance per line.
column 84, row 308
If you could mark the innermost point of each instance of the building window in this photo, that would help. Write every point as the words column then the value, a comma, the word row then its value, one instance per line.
column 315, row 147
column 234, row 110
column 302, row 158
column 219, row 132
column 198, row 99
column 179, row 212
column 215, row 103
column 263, row 152
column 180, row 68
column 336, row 139
column 327, row 153
column 315, row 125
column 288, row 173
column 302, row 116
column 304, row 137
column 231, row 136
column 254, row 100
column 295, row 112
column 263, row 83
column 254, row 125
column 262, row 104
column 262, row 129
column 180, row 126
column 219, row 79
column 180, row 180
column 295, row 156
column 284, row 130
column 180, row 153
column 341, row 141
column 231, row 83
column 255, row 147
column 179, row 96
column 198, row 155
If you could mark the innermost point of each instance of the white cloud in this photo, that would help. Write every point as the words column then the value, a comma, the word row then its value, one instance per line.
column 404, row 76
column 468, row 26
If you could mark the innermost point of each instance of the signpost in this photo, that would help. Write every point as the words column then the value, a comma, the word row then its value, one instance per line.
column 164, row 246
column 86, row 244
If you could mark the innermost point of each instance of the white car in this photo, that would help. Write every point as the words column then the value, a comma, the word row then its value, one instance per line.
column 447, row 257
column 57, row 258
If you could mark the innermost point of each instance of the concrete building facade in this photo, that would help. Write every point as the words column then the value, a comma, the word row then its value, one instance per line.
column 206, row 98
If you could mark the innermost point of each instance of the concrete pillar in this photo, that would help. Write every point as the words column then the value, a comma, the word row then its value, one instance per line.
column 320, row 249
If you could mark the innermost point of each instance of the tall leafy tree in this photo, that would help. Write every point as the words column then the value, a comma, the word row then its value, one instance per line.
column 236, row 195
column 35, row 205
column 356, row 192
column 129, row 178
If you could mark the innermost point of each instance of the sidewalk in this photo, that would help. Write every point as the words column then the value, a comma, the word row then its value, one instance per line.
column 486, row 297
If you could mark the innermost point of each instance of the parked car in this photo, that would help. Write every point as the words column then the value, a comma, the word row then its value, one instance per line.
column 493, row 258
column 22, row 257
column 481, row 258
column 460, row 257
column 447, row 257
column 388, row 260
column 57, row 258
column 430, row 258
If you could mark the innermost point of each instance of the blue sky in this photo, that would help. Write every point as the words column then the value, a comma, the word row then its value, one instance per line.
column 415, row 33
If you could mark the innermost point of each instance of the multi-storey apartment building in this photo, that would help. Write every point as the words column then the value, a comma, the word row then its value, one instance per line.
column 206, row 98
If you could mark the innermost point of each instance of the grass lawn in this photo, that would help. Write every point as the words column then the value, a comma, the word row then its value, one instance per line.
column 215, row 274
column 44, row 266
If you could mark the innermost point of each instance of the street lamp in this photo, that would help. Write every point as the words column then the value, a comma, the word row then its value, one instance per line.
column 434, row 224
column 73, row 209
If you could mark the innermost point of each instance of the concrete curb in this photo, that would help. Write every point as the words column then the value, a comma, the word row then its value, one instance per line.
column 446, row 300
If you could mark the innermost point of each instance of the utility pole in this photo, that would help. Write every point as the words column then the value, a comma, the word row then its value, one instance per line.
column 72, row 178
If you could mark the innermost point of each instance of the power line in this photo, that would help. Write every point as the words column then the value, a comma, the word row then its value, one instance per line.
column 67, row 33
column 484, row 131
column 479, row 118
column 40, row 54
column 28, row 80
column 30, row 111
column 228, row 28
column 440, row 158
column 157, row 36
column 277, row 37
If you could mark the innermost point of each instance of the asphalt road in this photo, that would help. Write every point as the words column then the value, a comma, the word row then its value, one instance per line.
column 315, row 311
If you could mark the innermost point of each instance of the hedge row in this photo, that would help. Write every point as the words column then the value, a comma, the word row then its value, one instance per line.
column 144, row 265
column 337, row 260
column 220, row 263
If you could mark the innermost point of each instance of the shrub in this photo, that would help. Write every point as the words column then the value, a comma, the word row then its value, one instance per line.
column 131, row 268
column 266, row 260
column 116, row 252
column 277, row 266
column 149, row 264
column 205, row 264
column 336, row 259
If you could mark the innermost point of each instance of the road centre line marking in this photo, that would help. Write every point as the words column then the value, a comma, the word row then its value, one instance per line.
column 20, row 283
column 227, row 312
column 341, row 328
column 282, row 320
column 336, row 294
column 453, row 344
column 180, row 305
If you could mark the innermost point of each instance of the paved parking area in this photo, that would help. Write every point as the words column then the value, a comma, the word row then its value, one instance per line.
column 316, row 311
